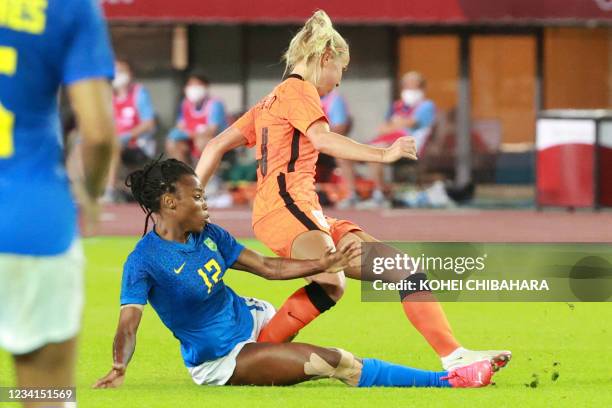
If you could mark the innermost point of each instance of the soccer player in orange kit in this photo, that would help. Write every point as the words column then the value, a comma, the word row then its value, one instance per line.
column 288, row 128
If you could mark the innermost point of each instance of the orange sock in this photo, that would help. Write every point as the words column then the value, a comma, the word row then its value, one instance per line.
column 427, row 316
column 299, row 309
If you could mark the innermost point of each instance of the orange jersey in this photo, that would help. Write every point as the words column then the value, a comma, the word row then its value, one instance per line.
column 286, row 158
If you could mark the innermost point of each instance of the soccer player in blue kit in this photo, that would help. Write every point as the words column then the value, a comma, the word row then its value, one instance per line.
column 44, row 45
column 178, row 268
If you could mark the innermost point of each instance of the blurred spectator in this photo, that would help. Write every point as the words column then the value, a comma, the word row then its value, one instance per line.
column 201, row 117
column 242, row 168
column 414, row 115
column 237, row 184
column 337, row 112
column 134, row 125
column 336, row 109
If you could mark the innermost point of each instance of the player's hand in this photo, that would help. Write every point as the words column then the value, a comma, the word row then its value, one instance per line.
column 337, row 261
column 404, row 147
column 113, row 379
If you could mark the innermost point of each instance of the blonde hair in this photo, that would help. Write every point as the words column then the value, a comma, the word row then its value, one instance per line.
column 312, row 41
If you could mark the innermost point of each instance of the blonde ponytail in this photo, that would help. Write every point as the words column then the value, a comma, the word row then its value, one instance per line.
column 311, row 42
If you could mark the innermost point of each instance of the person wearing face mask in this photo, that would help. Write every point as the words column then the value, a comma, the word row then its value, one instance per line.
column 411, row 115
column 134, row 124
column 201, row 117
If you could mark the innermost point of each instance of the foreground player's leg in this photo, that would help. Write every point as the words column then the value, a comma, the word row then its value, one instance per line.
column 428, row 317
column 425, row 315
column 292, row 363
column 50, row 366
column 308, row 302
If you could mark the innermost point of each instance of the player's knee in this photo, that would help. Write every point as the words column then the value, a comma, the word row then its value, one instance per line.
column 323, row 295
column 334, row 288
column 414, row 284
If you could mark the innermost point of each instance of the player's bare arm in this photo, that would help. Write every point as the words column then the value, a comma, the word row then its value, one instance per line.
column 92, row 103
column 227, row 140
column 283, row 268
column 123, row 346
column 342, row 147
column 204, row 137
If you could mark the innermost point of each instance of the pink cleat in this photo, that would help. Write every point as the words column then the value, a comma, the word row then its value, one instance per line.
column 475, row 375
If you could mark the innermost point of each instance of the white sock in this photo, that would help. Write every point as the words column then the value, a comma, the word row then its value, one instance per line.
column 458, row 351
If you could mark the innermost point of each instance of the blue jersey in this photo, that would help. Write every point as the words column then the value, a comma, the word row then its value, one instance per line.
column 43, row 44
column 184, row 284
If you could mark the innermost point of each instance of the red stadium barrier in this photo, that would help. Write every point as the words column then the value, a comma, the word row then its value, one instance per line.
column 605, row 165
column 429, row 11
column 574, row 154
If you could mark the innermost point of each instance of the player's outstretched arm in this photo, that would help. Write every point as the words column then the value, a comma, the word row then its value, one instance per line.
column 284, row 268
column 342, row 147
column 123, row 346
column 227, row 140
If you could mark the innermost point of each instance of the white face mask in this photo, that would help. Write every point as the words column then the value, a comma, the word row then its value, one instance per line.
column 122, row 79
column 412, row 96
column 195, row 93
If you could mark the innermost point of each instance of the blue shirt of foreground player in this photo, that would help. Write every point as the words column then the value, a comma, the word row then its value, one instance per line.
column 48, row 46
column 184, row 284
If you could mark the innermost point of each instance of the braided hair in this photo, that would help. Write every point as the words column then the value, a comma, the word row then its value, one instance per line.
column 154, row 180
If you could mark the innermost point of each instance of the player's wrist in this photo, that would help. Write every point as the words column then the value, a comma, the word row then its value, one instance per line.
column 323, row 263
column 384, row 155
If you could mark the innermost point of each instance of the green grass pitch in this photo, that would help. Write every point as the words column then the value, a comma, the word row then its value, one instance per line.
column 577, row 337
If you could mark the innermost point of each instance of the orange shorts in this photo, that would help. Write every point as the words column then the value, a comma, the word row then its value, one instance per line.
column 278, row 229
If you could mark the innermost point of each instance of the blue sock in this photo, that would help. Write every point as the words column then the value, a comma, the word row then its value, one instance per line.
column 378, row 373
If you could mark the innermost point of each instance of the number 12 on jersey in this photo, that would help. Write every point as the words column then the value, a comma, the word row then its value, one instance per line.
column 8, row 66
column 213, row 267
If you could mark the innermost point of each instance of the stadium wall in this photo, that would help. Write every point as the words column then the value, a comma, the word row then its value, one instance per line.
column 507, row 66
